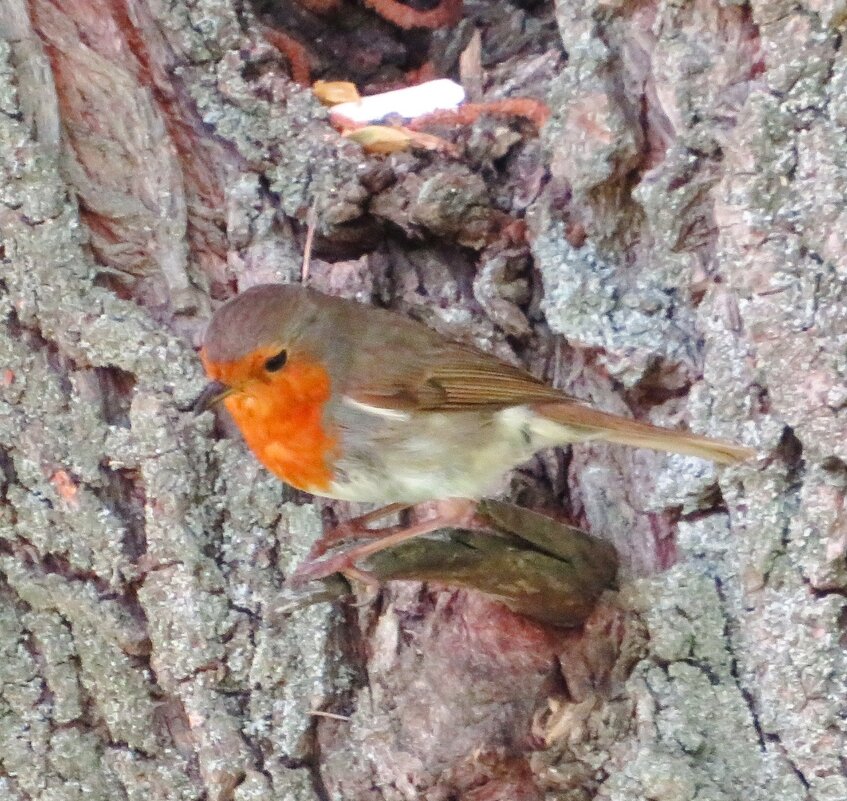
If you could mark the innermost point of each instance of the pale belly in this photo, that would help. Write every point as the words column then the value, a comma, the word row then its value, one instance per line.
column 401, row 457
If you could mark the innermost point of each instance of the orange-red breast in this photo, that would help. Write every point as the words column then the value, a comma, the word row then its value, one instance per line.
column 361, row 404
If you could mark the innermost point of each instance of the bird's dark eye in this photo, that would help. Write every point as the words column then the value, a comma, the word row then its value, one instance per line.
column 276, row 362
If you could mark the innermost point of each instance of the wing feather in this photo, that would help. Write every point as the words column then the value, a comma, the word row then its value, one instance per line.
column 454, row 378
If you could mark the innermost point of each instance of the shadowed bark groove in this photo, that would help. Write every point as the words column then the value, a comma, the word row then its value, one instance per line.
column 671, row 243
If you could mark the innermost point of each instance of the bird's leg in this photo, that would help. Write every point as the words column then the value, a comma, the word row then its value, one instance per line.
column 458, row 512
column 354, row 529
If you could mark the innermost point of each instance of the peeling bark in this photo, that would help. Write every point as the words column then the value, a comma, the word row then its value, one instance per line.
column 672, row 245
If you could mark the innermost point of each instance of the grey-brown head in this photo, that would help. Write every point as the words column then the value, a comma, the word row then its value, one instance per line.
column 258, row 332
column 263, row 315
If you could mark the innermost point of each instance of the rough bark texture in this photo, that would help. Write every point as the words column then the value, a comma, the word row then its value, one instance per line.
column 684, row 257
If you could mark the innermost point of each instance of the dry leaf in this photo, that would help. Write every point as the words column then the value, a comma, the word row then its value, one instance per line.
column 381, row 138
column 330, row 93
column 470, row 67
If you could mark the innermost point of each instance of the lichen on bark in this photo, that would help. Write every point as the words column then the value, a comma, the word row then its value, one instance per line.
column 682, row 258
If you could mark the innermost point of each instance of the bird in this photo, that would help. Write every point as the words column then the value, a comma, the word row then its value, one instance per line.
column 356, row 403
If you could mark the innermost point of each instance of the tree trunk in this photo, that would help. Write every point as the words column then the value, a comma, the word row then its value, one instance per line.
column 672, row 243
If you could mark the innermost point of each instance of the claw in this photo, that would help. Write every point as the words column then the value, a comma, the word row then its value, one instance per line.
column 370, row 583
column 355, row 529
column 456, row 512
column 312, row 569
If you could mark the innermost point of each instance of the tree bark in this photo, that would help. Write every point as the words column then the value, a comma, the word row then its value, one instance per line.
column 684, row 258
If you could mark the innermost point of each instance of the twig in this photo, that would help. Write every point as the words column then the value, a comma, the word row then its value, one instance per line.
column 319, row 713
column 311, row 222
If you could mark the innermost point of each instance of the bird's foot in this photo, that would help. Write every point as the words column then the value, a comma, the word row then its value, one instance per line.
column 343, row 562
column 456, row 512
column 358, row 528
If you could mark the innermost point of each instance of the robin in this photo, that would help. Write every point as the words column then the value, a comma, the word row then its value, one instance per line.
column 361, row 404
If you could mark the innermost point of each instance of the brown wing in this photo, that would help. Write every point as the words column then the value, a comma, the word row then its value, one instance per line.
column 399, row 364
column 473, row 380
column 429, row 373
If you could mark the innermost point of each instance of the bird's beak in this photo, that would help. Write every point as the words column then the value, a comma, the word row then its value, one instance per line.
column 214, row 392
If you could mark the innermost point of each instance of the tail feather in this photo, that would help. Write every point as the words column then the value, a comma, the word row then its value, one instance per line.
column 589, row 423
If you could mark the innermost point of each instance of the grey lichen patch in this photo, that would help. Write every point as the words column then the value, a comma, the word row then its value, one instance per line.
column 255, row 501
column 287, row 666
column 291, row 676
column 19, row 676
column 637, row 141
column 693, row 633
column 299, row 528
column 23, row 727
column 251, row 504
column 585, row 300
column 295, row 666
column 123, row 691
column 744, row 180
column 216, row 22
column 595, row 138
column 223, row 755
column 818, row 540
column 655, row 775
column 779, row 205
column 770, row 503
column 298, row 783
column 8, row 94
column 172, row 450
column 287, row 140
column 795, row 675
column 44, row 761
column 207, row 622
column 186, row 623
column 687, row 483
column 77, row 759
column 53, row 288
column 93, row 540
column 168, row 776
column 799, row 52
column 78, row 601
column 801, row 662
column 708, row 541
column 698, row 739
column 200, row 30
column 53, row 639
column 792, row 277
column 258, row 254
column 731, row 413
column 675, row 197
column 103, row 638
